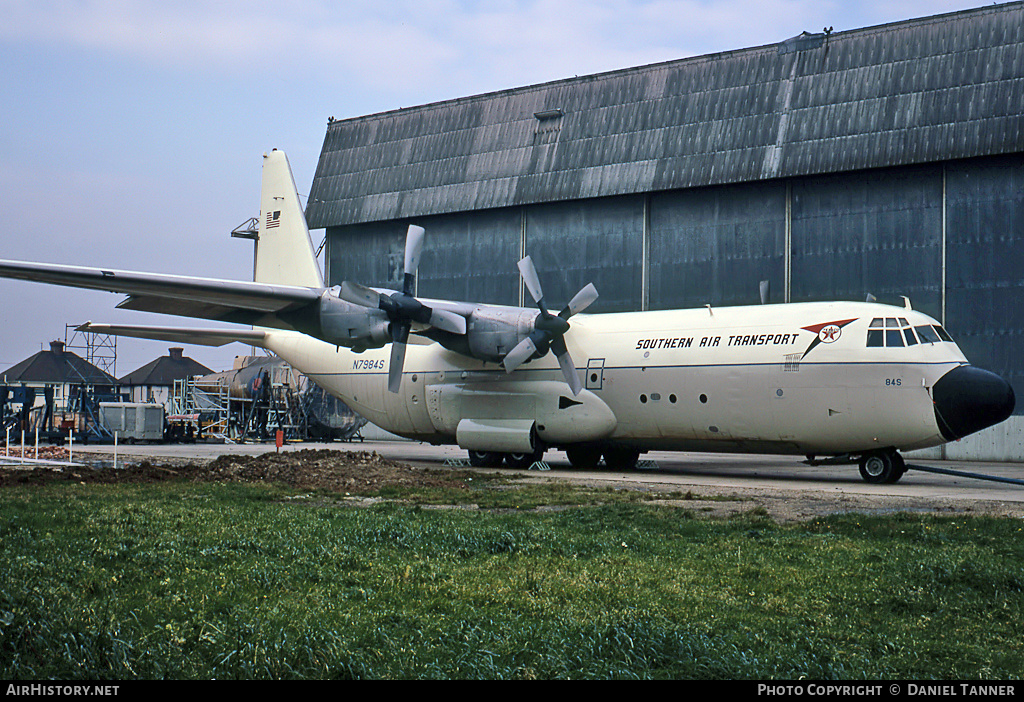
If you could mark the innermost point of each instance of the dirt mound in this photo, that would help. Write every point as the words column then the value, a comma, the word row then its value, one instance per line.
column 364, row 471
column 308, row 469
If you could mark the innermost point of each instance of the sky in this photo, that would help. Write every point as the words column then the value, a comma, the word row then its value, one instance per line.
column 132, row 131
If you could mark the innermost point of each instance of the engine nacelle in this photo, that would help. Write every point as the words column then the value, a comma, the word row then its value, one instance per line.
column 493, row 332
column 350, row 325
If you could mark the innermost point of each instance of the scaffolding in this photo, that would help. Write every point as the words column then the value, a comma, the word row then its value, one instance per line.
column 198, row 411
column 98, row 349
column 261, row 397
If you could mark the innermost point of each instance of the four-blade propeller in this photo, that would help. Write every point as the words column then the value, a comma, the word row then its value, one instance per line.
column 402, row 309
column 549, row 329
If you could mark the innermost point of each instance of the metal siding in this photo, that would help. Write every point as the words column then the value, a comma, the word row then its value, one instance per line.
column 985, row 268
column 371, row 254
column 472, row 257
column 714, row 245
column 874, row 232
column 592, row 241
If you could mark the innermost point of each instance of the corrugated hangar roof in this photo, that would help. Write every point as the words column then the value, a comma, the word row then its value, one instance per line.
column 932, row 89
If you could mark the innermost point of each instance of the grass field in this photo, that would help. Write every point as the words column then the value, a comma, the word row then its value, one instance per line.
column 181, row 580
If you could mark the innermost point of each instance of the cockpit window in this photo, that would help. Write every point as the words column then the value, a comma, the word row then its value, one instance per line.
column 889, row 332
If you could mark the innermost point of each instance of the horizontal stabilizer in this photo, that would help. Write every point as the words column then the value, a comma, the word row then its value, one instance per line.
column 203, row 337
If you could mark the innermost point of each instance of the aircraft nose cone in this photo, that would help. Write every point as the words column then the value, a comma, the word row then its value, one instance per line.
column 968, row 399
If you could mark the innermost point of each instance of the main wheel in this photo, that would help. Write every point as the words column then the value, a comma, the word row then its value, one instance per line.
column 523, row 460
column 485, row 459
column 621, row 458
column 882, row 467
column 583, row 457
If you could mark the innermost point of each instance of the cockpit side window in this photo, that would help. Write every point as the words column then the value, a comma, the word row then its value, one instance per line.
column 927, row 334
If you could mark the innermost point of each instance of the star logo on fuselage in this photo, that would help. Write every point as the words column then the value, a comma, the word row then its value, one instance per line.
column 826, row 333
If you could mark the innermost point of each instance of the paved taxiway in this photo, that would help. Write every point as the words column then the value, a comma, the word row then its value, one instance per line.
column 681, row 471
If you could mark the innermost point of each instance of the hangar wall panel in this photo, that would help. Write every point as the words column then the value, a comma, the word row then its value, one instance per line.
column 877, row 232
column 461, row 260
column 371, row 254
column 715, row 245
column 589, row 241
column 985, row 264
column 472, row 257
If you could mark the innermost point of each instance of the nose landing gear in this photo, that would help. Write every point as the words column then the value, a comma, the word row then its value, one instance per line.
column 885, row 466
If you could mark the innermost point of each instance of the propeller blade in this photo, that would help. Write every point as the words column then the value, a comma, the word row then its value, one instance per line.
column 396, row 365
column 448, row 321
column 400, row 338
column 519, row 355
column 565, row 362
column 359, row 295
column 532, row 280
column 413, row 248
column 583, row 299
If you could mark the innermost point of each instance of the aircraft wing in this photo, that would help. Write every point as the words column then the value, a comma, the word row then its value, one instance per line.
column 203, row 337
column 238, row 302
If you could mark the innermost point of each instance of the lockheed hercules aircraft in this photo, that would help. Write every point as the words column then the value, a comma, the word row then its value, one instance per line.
column 843, row 380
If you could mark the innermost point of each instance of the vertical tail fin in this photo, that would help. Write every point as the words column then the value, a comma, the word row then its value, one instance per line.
column 284, row 251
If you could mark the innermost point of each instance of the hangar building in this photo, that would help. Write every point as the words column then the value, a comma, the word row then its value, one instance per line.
column 886, row 161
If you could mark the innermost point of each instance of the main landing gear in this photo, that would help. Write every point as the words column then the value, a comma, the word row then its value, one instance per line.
column 582, row 457
column 494, row 459
column 587, row 457
column 886, row 466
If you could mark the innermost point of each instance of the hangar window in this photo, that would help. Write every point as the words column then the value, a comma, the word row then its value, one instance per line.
column 549, row 124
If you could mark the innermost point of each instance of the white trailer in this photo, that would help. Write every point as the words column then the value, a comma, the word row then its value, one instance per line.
column 133, row 421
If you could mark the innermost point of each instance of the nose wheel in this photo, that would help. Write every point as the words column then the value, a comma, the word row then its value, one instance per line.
column 882, row 466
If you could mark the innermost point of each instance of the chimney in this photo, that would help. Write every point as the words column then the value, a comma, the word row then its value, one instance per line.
column 57, row 347
column 176, row 353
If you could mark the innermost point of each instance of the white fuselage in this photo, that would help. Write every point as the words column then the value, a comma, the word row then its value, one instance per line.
column 795, row 378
